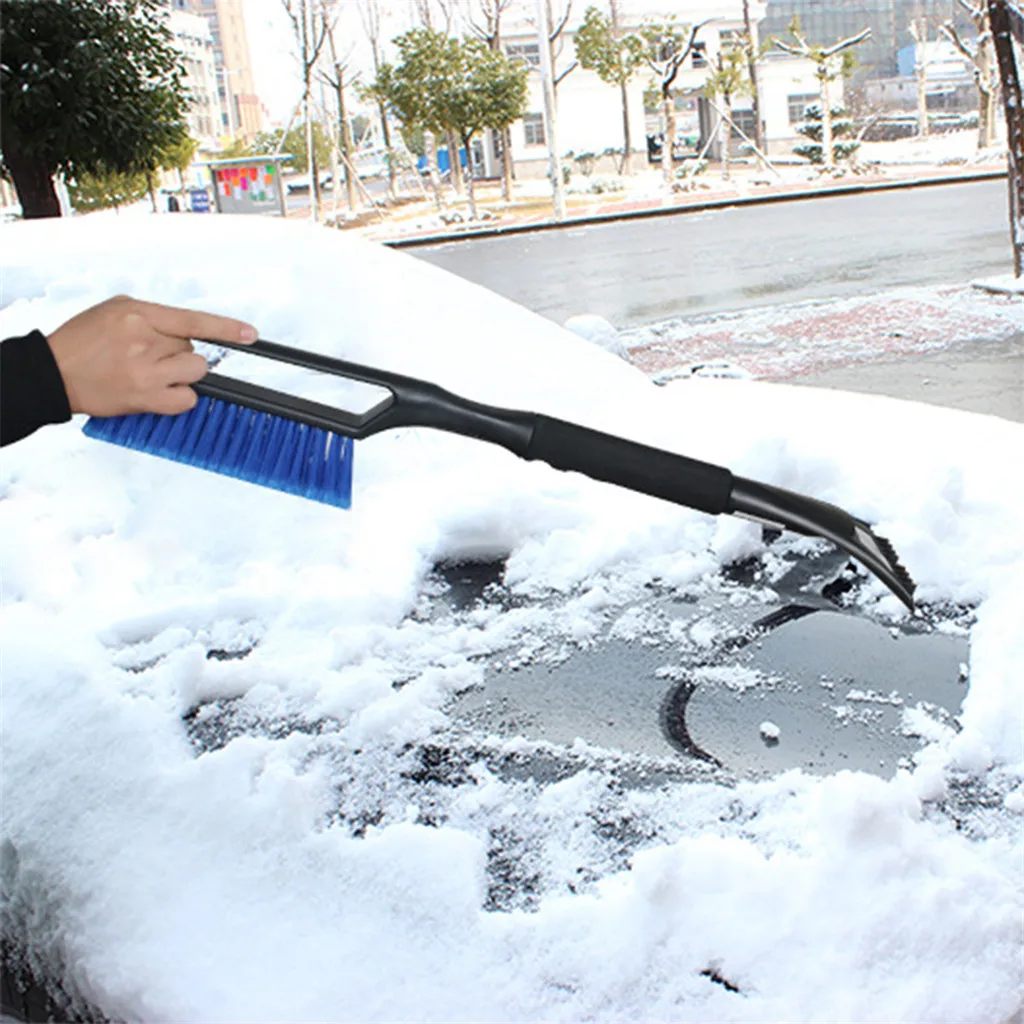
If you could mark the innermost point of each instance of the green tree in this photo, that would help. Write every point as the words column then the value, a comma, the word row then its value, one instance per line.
column 86, row 86
column 179, row 156
column 102, row 189
column 446, row 85
column 294, row 143
column 615, row 57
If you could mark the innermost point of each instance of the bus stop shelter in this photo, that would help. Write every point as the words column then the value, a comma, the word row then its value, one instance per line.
column 249, row 184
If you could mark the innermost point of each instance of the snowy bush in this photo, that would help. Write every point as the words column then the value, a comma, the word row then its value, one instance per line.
column 843, row 146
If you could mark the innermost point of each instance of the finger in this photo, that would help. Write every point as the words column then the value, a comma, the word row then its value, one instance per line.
column 183, row 368
column 190, row 323
column 164, row 346
column 172, row 401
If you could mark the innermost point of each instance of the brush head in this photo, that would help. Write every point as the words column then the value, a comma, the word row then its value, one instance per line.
column 235, row 441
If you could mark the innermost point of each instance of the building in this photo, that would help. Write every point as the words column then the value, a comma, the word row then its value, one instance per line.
column 827, row 21
column 590, row 118
column 193, row 39
column 241, row 113
column 949, row 81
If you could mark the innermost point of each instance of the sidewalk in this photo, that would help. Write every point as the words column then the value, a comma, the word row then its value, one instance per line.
column 603, row 198
column 956, row 346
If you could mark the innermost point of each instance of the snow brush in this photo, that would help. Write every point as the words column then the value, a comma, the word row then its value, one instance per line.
column 278, row 440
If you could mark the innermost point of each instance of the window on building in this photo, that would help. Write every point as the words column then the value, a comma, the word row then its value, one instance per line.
column 744, row 121
column 699, row 56
column 533, row 129
column 799, row 103
column 528, row 53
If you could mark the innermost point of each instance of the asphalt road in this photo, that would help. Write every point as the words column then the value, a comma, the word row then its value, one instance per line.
column 646, row 270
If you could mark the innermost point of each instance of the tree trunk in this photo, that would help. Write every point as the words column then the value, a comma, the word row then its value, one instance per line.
column 999, row 20
column 668, row 168
column 986, row 97
column 314, row 177
column 454, row 164
column 506, row 164
column 470, row 191
column 992, row 100
column 921, row 74
column 151, row 190
column 755, row 99
column 922, row 101
column 389, row 156
column 626, row 167
column 827, row 153
column 33, row 181
column 725, row 137
column 347, row 147
column 547, row 78
column 433, row 176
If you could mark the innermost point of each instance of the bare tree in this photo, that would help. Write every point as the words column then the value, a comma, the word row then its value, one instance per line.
column 918, row 30
column 827, row 70
column 309, row 23
column 369, row 13
column 981, row 55
column 556, row 42
column 668, row 47
column 343, row 136
column 550, row 113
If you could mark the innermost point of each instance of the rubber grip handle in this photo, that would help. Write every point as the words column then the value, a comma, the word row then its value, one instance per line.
column 614, row 460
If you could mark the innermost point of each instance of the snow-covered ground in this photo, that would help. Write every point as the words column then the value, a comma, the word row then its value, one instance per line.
column 309, row 869
column 783, row 342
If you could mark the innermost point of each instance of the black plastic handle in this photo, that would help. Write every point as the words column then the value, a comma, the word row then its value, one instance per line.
column 417, row 403
column 567, row 446
column 615, row 460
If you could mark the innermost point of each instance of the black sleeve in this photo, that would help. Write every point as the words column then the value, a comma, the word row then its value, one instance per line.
column 31, row 388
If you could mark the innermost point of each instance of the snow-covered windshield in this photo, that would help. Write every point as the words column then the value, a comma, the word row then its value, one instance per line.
column 234, row 788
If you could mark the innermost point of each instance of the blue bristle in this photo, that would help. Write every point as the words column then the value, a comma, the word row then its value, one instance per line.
column 234, row 441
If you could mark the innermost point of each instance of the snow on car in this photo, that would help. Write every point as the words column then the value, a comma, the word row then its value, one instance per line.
column 240, row 781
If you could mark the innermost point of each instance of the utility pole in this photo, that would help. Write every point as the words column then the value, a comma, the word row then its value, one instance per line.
column 547, row 78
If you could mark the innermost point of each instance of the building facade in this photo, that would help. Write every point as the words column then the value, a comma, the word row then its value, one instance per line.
column 193, row 39
column 241, row 113
column 590, row 119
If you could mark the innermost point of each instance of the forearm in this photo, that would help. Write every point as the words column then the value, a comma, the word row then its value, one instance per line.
column 32, row 390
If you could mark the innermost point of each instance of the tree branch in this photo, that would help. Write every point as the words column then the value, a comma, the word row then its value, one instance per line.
column 950, row 32
column 845, row 44
column 561, row 25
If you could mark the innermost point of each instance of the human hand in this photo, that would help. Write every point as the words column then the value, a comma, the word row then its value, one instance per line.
column 126, row 356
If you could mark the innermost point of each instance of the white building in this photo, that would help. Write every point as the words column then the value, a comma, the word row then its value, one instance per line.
column 193, row 39
column 590, row 117
column 949, row 80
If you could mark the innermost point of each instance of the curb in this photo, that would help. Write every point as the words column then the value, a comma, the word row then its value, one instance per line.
column 680, row 210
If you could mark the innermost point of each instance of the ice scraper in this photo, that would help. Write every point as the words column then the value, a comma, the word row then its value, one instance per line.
column 279, row 440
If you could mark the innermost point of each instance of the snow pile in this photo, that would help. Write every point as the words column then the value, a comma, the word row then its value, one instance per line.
column 311, row 867
column 599, row 331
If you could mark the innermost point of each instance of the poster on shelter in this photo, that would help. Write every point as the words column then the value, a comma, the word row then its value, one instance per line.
column 247, row 188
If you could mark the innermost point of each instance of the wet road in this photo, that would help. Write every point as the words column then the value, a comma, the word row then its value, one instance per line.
column 642, row 271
